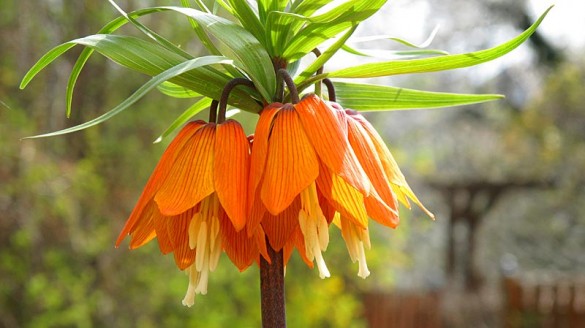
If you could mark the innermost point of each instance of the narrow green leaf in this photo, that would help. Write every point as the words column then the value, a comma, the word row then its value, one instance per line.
column 176, row 91
column 353, row 51
column 280, row 27
column 369, row 97
column 198, row 30
column 152, row 83
column 204, row 38
column 386, row 54
column 44, row 61
column 395, row 54
column 328, row 25
column 263, row 9
column 425, row 43
column 195, row 109
column 121, row 21
column 240, row 46
column 87, row 52
column 201, row 4
column 248, row 18
column 354, row 8
column 308, row 7
column 325, row 56
column 221, row 3
column 150, row 33
column 436, row 63
column 152, row 59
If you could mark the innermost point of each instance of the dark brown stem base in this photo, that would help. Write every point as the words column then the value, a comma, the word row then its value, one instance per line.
column 272, row 290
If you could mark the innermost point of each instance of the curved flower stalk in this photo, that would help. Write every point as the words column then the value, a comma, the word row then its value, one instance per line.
column 194, row 203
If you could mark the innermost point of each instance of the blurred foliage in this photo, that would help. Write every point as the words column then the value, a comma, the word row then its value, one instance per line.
column 63, row 200
column 550, row 230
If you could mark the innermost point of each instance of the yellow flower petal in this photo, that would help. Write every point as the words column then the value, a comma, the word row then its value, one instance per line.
column 367, row 155
column 391, row 169
column 345, row 198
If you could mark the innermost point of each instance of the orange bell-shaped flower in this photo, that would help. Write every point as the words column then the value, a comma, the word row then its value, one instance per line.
column 195, row 203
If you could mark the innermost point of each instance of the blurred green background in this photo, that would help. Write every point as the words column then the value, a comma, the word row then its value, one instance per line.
column 63, row 200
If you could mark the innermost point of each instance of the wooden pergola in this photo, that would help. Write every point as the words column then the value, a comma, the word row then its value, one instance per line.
column 469, row 202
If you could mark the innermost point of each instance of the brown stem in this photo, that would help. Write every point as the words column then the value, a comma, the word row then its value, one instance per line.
column 213, row 111
column 330, row 89
column 272, row 290
column 223, row 100
column 283, row 75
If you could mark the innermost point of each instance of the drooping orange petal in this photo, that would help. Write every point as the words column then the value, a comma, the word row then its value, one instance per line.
column 241, row 249
column 256, row 214
column 175, row 227
column 143, row 231
column 143, row 234
column 178, row 230
column 231, row 170
column 379, row 211
column 280, row 228
column 297, row 241
column 291, row 163
column 191, row 176
column 327, row 209
column 162, row 234
column 391, row 169
column 345, row 198
column 367, row 155
column 158, row 175
column 260, row 150
column 260, row 238
column 328, row 137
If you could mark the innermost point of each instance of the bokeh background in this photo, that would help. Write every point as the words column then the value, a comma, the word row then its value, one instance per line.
column 505, row 180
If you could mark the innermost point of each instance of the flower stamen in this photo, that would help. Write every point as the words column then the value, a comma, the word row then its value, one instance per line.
column 205, row 238
column 314, row 228
column 357, row 239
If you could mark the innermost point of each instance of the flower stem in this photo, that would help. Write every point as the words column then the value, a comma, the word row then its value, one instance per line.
column 272, row 290
column 330, row 89
column 283, row 75
column 225, row 94
column 319, row 71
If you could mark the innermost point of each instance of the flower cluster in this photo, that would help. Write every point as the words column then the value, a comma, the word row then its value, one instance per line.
column 308, row 165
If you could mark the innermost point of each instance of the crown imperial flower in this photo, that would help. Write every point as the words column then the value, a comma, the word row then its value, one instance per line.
column 194, row 203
